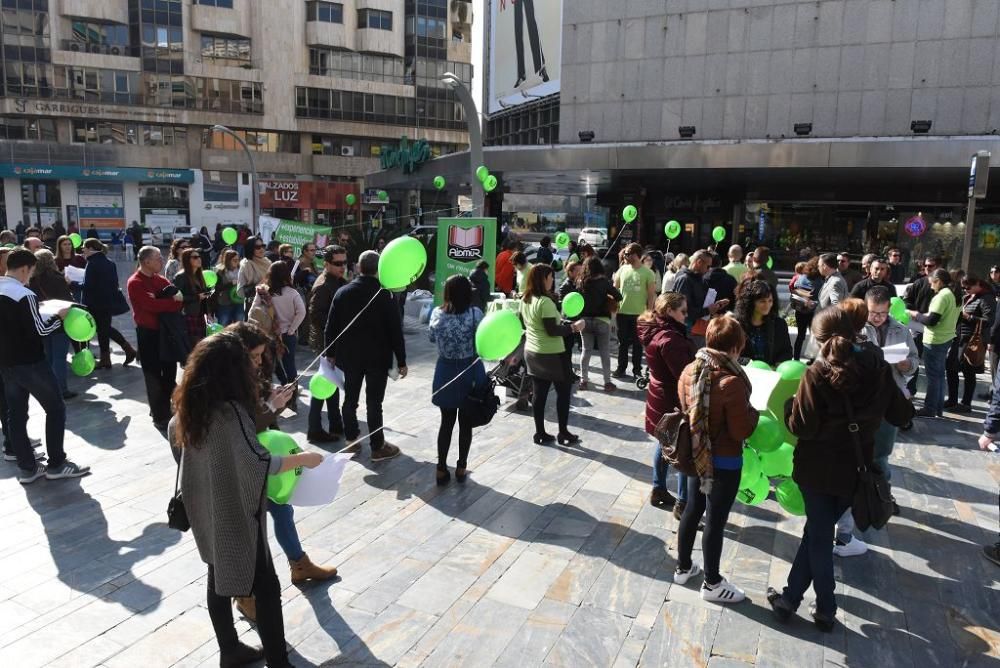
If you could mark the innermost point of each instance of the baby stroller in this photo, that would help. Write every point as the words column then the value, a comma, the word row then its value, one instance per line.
column 513, row 374
column 642, row 380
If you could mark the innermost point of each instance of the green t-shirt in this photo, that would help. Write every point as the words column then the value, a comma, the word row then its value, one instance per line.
column 634, row 285
column 736, row 270
column 944, row 331
column 537, row 339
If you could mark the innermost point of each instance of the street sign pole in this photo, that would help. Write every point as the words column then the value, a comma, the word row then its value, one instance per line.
column 979, row 176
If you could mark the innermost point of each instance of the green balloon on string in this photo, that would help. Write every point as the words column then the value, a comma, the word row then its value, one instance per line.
column 770, row 263
column 897, row 309
column 572, row 305
column 790, row 497
column 229, row 235
column 672, row 229
column 83, row 363
column 439, row 182
column 351, row 199
column 498, row 335
column 383, row 196
column 767, row 436
column 562, row 240
column 719, row 233
column 482, row 173
column 210, row 278
column 759, row 364
column 321, row 387
column 280, row 486
column 791, row 370
column 629, row 213
column 79, row 325
column 76, row 239
column 490, row 183
column 778, row 463
column 756, row 492
column 751, row 467
column 401, row 262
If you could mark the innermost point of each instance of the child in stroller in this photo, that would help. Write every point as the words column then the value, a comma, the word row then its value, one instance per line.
column 512, row 373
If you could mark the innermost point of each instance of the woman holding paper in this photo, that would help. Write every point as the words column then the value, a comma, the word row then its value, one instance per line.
column 224, row 471
column 103, row 297
column 766, row 332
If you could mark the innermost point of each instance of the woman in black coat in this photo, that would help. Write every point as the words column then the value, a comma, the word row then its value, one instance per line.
column 767, row 333
column 103, row 297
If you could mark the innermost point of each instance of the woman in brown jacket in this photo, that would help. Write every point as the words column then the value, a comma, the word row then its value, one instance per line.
column 848, row 384
column 715, row 393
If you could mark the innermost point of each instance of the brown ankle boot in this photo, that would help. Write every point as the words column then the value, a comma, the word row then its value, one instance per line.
column 247, row 606
column 304, row 569
column 130, row 355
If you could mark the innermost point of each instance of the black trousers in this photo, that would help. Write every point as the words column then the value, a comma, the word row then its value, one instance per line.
column 106, row 333
column 718, row 504
column 160, row 376
column 918, row 340
column 525, row 9
column 954, row 366
column 803, row 321
column 448, row 419
column 540, row 391
column 628, row 338
column 374, row 379
column 270, row 622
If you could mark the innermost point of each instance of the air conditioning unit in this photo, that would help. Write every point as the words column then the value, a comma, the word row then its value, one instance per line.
column 347, row 151
column 115, row 51
column 94, row 48
column 74, row 46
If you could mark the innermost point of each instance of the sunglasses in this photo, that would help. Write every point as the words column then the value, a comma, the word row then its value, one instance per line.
column 258, row 248
column 340, row 263
column 195, row 257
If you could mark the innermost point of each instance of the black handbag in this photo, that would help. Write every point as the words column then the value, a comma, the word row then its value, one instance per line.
column 872, row 505
column 119, row 303
column 481, row 404
column 177, row 517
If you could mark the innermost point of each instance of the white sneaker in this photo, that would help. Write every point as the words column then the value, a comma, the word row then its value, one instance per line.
column 854, row 548
column 681, row 577
column 39, row 456
column 723, row 591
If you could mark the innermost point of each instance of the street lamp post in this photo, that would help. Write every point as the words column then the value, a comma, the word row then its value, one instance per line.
column 255, row 221
column 475, row 136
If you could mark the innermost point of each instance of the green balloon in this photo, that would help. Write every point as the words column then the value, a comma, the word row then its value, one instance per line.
column 778, row 463
column 383, row 196
column 351, row 199
column 482, row 173
column 791, row 370
column 557, row 265
column 213, row 328
column 767, row 436
column 83, row 363
column 562, row 240
column 490, row 183
column 755, row 493
column 770, row 263
column 76, row 239
column 897, row 309
column 211, row 278
column 321, row 388
column 439, row 182
column 281, row 486
column 751, row 467
column 719, row 233
column 229, row 235
column 629, row 213
column 759, row 364
column 672, row 229
column 498, row 335
column 402, row 261
column 572, row 305
column 235, row 296
column 790, row 497
column 79, row 325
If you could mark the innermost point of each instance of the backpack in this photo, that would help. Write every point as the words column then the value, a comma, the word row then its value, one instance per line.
column 673, row 431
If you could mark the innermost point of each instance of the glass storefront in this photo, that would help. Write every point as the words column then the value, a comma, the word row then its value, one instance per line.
column 41, row 201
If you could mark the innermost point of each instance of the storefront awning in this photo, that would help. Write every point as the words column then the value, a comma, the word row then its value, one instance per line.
column 96, row 173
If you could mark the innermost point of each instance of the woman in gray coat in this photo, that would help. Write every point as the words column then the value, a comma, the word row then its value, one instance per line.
column 224, row 472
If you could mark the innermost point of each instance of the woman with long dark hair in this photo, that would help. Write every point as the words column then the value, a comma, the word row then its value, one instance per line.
column 544, row 350
column 224, row 471
column 173, row 266
column 766, row 332
column 849, row 388
column 66, row 256
column 600, row 301
column 191, row 283
column 226, row 310
column 977, row 309
column 457, row 372
column 253, row 269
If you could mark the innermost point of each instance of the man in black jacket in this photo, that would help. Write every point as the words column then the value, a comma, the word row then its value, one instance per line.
column 918, row 297
column 879, row 270
column 366, row 332
column 26, row 373
column 320, row 300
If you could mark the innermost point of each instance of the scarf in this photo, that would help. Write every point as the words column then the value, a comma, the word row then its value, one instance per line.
column 706, row 361
column 258, row 269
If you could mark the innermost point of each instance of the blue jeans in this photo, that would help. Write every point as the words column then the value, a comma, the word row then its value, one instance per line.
column 229, row 313
column 885, row 439
column 56, row 349
column 660, row 470
column 288, row 360
column 813, row 562
column 935, row 358
column 283, row 517
column 36, row 380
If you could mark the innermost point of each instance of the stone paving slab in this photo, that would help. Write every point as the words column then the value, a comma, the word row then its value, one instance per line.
column 546, row 556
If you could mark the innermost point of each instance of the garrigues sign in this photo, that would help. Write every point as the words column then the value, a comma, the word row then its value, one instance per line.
column 406, row 156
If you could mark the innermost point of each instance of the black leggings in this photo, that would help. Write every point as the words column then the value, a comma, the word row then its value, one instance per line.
column 540, row 390
column 106, row 333
column 802, row 323
column 270, row 623
column 448, row 417
column 955, row 365
column 718, row 503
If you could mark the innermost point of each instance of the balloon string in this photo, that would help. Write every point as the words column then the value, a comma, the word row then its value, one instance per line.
column 404, row 414
column 612, row 244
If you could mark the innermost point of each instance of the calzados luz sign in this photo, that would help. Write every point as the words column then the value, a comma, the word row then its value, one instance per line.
column 407, row 156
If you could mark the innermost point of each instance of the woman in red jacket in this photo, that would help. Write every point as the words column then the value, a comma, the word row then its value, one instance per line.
column 663, row 335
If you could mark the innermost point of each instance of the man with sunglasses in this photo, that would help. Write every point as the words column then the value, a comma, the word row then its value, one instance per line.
column 918, row 297
column 897, row 270
column 320, row 299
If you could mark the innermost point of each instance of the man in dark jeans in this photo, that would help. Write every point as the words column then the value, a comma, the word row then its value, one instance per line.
column 26, row 373
column 364, row 322
column 145, row 292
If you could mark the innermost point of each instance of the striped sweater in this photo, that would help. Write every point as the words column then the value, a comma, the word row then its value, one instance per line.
column 23, row 326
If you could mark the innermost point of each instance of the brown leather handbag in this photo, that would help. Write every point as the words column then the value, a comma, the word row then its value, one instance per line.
column 974, row 350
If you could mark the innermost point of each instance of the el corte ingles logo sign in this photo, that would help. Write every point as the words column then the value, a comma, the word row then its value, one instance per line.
column 406, row 156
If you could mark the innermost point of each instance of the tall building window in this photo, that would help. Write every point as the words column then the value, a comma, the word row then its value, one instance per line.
column 25, row 26
column 256, row 140
column 235, row 50
column 351, row 65
column 327, row 12
column 225, row 4
column 374, row 18
column 95, row 85
column 34, row 129
column 137, row 134
column 156, row 32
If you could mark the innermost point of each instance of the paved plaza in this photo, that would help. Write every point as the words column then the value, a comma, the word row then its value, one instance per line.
column 547, row 555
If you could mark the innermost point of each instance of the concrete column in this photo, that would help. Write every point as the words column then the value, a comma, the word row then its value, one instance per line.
column 12, row 199
column 131, row 192
column 68, row 196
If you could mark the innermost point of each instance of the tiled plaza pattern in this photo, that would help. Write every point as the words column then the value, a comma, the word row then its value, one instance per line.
column 547, row 555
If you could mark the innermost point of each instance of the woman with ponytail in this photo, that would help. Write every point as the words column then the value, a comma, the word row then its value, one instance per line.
column 847, row 379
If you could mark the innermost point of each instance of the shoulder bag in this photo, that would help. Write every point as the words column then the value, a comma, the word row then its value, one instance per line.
column 177, row 517
column 872, row 503
column 974, row 350
column 673, row 431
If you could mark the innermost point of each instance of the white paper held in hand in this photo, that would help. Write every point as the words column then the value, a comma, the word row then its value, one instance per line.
column 51, row 307
column 319, row 486
column 74, row 274
column 710, row 297
column 896, row 353
column 331, row 373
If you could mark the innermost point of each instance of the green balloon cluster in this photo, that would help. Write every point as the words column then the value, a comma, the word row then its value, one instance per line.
column 281, row 486
column 718, row 233
column 439, row 182
column 482, row 173
column 572, row 305
column 897, row 309
column 498, row 335
column 83, row 363
column 756, row 492
column 320, row 387
column 490, row 183
column 213, row 328
column 229, row 235
column 790, row 497
column 767, row 436
column 760, row 364
column 562, row 240
column 752, row 468
column 210, row 277
column 778, row 463
column 79, row 324
column 629, row 213
column 402, row 261
column 76, row 239
column 672, row 229
column 791, row 370
column 351, row 199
